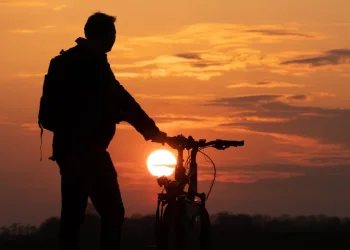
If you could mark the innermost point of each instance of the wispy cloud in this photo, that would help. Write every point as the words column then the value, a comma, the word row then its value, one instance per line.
column 170, row 121
column 176, row 97
column 244, row 101
column 242, row 175
column 4, row 120
column 30, row 127
column 265, row 84
column 191, row 122
column 317, row 156
column 246, row 176
column 298, row 97
column 281, row 32
column 36, row 30
column 330, row 57
column 28, row 75
column 248, row 113
column 32, row 4
column 195, row 56
column 204, row 67
column 170, row 118
column 329, row 159
column 227, row 34
column 60, row 7
column 212, row 49
column 324, row 94
column 24, row 3
column 127, row 75
column 24, row 31
column 322, row 124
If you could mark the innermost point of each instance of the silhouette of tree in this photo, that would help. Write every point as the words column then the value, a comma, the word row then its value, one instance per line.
column 228, row 230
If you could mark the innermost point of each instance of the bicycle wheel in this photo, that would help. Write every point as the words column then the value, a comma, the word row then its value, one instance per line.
column 185, row 226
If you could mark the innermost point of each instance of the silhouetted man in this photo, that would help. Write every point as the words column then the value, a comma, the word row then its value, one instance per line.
column 91, row 102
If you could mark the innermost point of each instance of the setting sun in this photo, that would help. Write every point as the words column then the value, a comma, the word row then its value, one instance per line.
column 161, row 162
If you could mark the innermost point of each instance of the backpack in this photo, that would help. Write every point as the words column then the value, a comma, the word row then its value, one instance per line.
column 55, row 111
column 49, row 105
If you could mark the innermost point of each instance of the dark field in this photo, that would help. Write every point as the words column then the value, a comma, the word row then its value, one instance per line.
column 229, row 232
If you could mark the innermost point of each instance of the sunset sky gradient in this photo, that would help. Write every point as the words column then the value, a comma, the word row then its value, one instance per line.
column 273, row 73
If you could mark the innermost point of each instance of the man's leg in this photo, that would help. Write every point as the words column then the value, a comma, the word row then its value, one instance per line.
column 74, row 202
column 105, row 195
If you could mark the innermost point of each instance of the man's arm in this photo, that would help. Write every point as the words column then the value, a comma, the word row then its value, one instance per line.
column 131, row 112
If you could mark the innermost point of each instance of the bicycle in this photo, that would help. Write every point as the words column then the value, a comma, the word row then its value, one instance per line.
column 185, row 213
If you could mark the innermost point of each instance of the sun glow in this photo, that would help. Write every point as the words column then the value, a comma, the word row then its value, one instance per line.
column 161, row 162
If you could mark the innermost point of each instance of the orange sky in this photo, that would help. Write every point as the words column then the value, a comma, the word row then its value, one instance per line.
column 274, row 73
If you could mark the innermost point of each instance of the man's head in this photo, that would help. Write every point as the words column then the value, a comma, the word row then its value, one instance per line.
column 100, row 30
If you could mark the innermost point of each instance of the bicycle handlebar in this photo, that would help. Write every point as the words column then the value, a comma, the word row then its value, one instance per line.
column 223, row 144
column 181, row 141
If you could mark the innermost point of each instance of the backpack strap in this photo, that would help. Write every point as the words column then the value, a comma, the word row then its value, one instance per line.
column 52, row 158
column 41, row 140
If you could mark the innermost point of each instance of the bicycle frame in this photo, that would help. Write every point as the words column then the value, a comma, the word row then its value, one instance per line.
column 174, row 189
column 191, row 176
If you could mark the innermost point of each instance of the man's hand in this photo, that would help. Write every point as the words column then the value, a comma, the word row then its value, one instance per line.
column 160, row 137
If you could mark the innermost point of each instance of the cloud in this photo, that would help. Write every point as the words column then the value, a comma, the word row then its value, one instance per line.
column 177, row 118
column 227, row 34
column 315, row 154
column 133, row 175
column 175, row 97
column 4, row 120
column 208, row 63
column 324, row 94
column 327, row 125
column 212, row 61
column 272, row 189
column 276, row 172
column 244, row 101
column 206, row 50
column 51, row 29
column 32, row 4
column 126, row 75
column 280, row 32
column 318, row 191
column 265, row 84
column 337, row 24
column 246, row 176
column 24, row 31
column 298, row 97
column 326, row 160
column 330, row 57
column 167, row 121
column 203, row 51
column 60, row 7
column 202, row 67
column 28, row 75
column 195, row 56
column 30, row 127
column 23, row 3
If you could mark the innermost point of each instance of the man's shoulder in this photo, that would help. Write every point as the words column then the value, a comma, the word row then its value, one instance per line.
column 61, row 55
column 70, row 57
column 71, row 52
